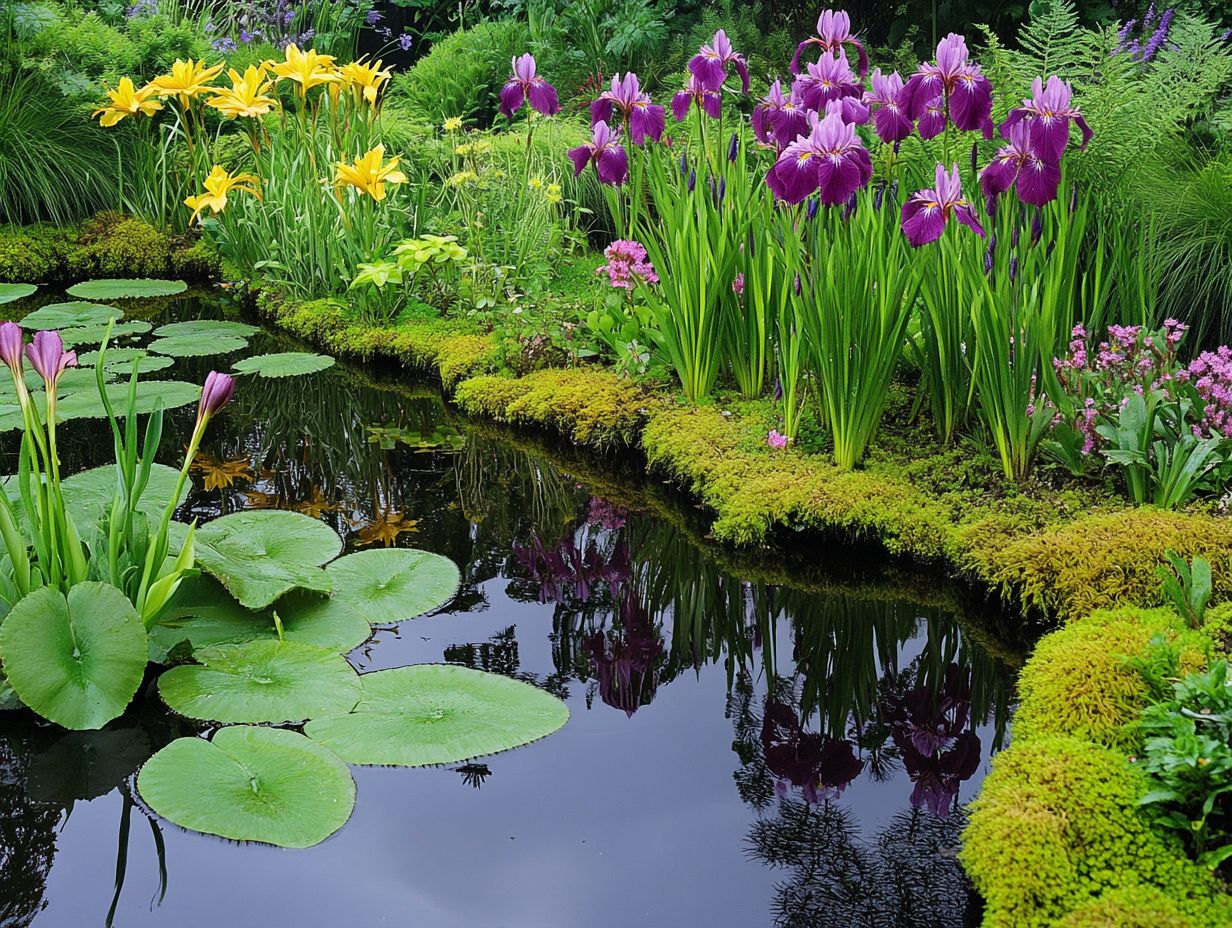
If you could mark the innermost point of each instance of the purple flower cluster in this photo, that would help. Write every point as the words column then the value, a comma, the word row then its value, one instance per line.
column 142, row 8
column 1210, row 374
column 627, row 264
column 1152, row 35
column 605, row 515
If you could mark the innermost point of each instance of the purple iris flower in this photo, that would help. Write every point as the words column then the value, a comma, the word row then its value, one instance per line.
column 48, row 357
column 833, row 32
column 215, row 394
column 642, row 117
column 1051, row 109
column 932, row 121
column 924, row 215
column 1020, row 163
column 830, row 160
column 710, row 63
column 829, row 78
column 405, row 41
column 697, row 92
column 966, row 92
column 780, row 119
column 889, row 121
column 11, row 339
column 610, row 159
column 526, row 85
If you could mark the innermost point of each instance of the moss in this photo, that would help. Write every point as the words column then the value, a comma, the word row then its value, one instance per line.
column 1099, row 561
column 1131, row 907
column 1082, row 681
column 1057, row 829
column 109, row 245
column 593, row 407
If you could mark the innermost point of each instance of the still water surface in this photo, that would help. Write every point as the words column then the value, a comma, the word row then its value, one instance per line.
column 740, row 753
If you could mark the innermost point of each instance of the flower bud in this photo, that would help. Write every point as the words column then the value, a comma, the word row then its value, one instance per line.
column 215, row 394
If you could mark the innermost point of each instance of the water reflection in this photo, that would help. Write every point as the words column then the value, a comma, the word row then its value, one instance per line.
column 842, row 704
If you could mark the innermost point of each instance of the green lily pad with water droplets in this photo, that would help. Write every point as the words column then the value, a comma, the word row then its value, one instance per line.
column 11, row 292
column 94, row 334
column 206, row 328
column 261, row 681
column 251, row 784
column 69, row 315
column 113, row 288
column 119, row 361
column 437, row 714
column 261, row 554
column 285, row 364
column 390, row 585
column 76, row 661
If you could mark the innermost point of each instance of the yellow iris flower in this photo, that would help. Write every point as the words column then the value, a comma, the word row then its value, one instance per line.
column 188, row 79
column 366, row 76
column 453, row 124
column 246, row 97
column 370, row 173
column 217, row 186
column 126, row 100
column 307, row 68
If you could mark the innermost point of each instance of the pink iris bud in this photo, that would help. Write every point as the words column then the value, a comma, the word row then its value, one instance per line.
column 11, row 338
column 215, row 394
column 48, row 357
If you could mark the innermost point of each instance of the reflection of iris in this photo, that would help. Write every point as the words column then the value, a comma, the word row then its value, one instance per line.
column 625, row 660
column 822, row 766
column 568, row 570
column 933, row 731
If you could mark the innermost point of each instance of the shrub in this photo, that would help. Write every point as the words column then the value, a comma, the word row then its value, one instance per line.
column 463, row 74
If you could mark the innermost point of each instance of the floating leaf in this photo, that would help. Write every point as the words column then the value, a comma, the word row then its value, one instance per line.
column 393, row 584
column 88, row 494
column 86, row 404
column 11, row 292
column 205, row 615
column 437, row 714
column 261, row 681
column 196, row 346
column 120, row 361
column 117, row 289
column 86, row 764
column 78, row 661
column 286, row 364
column 251, row 784
column 69, row 315
column 261, row 554
column 78, row 379
column 94, row 334
column 205, row 328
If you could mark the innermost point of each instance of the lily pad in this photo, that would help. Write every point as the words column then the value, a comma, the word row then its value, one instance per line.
column 78, row 661
column 88, row 494
column 117, row 289
column 203, row 328
column 261, row 681
column 120, row 361
column 171, row 394
column 197, row 346
column 205, row 615
column 391, row 585
column 438, row 714
column 11, row 292
column 94, row 334
column 69, row 315
column 285, row 364
column 261, row 554
column 251, row 784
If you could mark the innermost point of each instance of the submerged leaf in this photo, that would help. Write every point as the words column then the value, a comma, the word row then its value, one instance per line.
column 261, row 681
column 438, row 714
column 87, row 764
column 286, row 364
column 251, row 784
column 261, row 554
column 393, row 584
column 78, row 661
column 112, row 288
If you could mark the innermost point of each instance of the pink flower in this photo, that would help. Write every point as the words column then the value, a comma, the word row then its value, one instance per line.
column 627, row 264
column 215, row 394
column 738, row 284
column 48, row 357
column 11, row 339
column 775, row 440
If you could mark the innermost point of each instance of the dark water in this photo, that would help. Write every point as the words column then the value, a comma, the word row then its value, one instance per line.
column 740, row 753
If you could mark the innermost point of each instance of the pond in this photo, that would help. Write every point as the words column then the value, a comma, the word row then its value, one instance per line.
column 740, row 752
